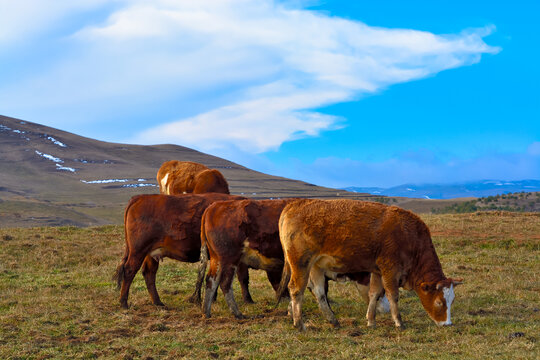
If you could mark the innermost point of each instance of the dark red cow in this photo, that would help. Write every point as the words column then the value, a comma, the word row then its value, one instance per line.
column 238, row 235
column 159, row 226
column 347, row 236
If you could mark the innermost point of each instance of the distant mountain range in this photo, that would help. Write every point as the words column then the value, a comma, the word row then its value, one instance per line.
column 480, row 188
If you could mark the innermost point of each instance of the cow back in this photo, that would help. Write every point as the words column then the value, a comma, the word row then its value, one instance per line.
column 182, row 177
column 171, row 221
column 355, row 235
column 254, row 221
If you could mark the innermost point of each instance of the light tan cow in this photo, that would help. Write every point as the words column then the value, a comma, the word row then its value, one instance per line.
column 180, row 177
column 321, row 237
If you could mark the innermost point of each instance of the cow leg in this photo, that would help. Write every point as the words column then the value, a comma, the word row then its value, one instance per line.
column 392, row 293
column 226, row 287
column 363, row 290
column 243, row 277
column 149, row 270
column 195, row 298
column 132, row 265
column 297, row 286
column 212, row 281
column 318, row 281
column 310, row 287
column 382, row 304
column 375, row 291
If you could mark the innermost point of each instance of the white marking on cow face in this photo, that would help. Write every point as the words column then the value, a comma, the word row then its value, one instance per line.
column 164, row 182
column 448, row 293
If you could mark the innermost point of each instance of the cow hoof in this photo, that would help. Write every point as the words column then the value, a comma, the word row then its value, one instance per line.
column 400, row 327
column 372, row 325
column 336, row 324
column 240, row 317
column 124, row 305
column 249, row 301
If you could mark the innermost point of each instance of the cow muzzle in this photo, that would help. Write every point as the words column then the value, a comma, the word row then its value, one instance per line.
column 444, row 323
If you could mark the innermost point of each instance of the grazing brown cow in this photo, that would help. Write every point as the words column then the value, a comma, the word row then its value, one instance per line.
column 242, row 234
column 348, row 236
column 180, row 177
column 159, row 226
column 239, row 235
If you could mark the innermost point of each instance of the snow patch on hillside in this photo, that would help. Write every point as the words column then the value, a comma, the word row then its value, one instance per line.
column 109, row 181
column 56, row 142
column 58, row 161
column 106, row 181
column 49, row 157
column 138, row 185
column 65, row 168
column 20, row 132
column 87, row 161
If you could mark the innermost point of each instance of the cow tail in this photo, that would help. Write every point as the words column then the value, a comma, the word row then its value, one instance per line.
column 119, row 273
column 203, row 262
column 204, row 248
column 284, row 283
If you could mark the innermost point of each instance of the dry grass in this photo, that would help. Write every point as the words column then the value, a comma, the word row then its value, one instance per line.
column 58, row 301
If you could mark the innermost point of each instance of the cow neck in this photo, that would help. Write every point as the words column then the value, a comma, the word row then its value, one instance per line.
column 428, row 267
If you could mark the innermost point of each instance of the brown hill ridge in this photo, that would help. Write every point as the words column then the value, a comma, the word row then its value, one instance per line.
column 50, row 177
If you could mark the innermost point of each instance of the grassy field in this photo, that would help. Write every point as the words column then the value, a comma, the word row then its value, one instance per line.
column 57, row 300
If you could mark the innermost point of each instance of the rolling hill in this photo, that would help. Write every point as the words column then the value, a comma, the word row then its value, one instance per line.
column 50, row 177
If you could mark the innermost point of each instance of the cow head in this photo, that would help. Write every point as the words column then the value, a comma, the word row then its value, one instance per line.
column 437, row 299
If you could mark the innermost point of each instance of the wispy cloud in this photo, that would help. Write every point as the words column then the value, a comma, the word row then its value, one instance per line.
column 232, row 74
column 23, row 20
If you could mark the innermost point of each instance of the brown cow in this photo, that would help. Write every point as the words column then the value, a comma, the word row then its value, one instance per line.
column 159, row 226
column 239, row 234
column 180, row 177
column 344, row 236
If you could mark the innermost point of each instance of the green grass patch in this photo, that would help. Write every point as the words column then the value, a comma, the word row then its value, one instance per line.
column 58, row 301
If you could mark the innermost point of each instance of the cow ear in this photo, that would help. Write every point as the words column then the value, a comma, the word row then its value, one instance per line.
column 457, row 281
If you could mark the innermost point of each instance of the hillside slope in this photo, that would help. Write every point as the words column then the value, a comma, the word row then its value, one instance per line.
column 50, row 177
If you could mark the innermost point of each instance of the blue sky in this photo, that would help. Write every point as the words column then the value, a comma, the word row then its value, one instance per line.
column 336, row 93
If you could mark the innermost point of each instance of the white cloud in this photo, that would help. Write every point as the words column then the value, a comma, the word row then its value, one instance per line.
column 23, row 19
column 252, row 126
column 243, row 74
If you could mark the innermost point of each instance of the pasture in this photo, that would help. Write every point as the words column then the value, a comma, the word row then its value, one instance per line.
column 58, row 301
